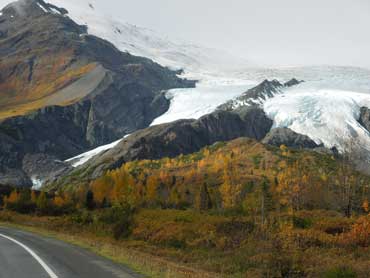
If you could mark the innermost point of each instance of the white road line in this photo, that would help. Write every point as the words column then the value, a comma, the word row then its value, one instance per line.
column 34, row 255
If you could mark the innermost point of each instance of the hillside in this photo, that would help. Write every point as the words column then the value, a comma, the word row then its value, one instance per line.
column 226, row 173
column 233, row 209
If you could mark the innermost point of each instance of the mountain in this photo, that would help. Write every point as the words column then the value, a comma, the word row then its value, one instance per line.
column 79, row 90
column 173, row 53
column 64, row 91
column 189, row 136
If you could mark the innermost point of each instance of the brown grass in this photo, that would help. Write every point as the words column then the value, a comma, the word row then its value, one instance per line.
column 120, row 252
column 214, row 245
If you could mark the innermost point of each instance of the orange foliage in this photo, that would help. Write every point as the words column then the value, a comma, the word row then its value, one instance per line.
column 359, row 235
column 365, row 206
column 14, row 197
column 59, row 201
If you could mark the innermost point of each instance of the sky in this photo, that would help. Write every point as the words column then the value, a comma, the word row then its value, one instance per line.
column 266, row 32
column 269, row 32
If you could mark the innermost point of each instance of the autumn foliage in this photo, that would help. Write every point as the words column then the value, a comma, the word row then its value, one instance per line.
column 240, row 209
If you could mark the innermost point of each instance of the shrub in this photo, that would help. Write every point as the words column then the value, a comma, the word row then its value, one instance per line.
column 82, row 217
column 359, row 235
column 301, row 223
column 121, row 217
column 340, row 272
column 176, row 243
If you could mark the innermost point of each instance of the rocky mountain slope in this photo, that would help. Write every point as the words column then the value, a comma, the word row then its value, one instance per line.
column 259, row 94
column 189, row 136
column 285, row 136
column 64, row 92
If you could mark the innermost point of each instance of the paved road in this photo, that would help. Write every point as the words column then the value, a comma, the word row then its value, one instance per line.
column 26, row 255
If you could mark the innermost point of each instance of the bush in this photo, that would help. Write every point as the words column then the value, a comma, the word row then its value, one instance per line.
column 176, row 243
column 82, row 217
column 359, row 235
column 301, row 223
column 121, row 217
column 340, row 272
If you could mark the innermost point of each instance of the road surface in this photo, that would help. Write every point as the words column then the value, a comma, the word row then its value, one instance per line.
column 26, row 255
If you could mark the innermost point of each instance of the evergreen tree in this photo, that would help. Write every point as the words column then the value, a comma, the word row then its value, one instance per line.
column 90, row 202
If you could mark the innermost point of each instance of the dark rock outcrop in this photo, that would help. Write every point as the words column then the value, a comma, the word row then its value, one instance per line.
column 254, row 96
column 70, row 91
column 289, row 138
column 42, row 167
column 182, row 137
column 292, row 82
column 364, row 119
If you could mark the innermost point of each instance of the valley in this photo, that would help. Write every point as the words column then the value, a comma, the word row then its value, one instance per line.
column 173, row 158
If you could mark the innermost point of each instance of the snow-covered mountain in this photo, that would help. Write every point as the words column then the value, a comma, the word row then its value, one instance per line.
column 325, row 107
column 145, row 42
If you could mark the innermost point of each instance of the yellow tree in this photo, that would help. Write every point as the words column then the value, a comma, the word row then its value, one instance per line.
column 59, row 201
column 13, row 198
column 152, row 190
column 365, row 206
column 123, row 186
column 206, row 152
column 33, row 197
column 102, row 189
column 229, row 191
column 42, row 202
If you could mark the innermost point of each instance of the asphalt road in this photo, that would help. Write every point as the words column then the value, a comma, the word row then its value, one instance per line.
column 26, row 255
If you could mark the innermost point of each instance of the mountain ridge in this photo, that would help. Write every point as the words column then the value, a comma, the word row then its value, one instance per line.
column 128, row 96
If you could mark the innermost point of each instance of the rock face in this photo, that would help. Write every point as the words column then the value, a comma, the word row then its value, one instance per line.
column 256, row 95
column 364, row 119
column 181, row 137
column 63, row 92
column 289, row 138
column 184, row 137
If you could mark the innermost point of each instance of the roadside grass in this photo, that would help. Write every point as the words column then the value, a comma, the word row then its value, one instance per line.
column 187, row 243
column 142, row 263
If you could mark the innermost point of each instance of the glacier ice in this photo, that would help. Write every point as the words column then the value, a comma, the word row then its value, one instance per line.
column 84, row 157
column 327, row 116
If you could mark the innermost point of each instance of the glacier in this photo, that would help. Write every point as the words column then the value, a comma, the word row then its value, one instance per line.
column 204, row 99
column 84, row 157
column 327, row 116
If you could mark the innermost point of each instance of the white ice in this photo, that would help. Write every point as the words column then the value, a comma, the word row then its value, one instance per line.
column 36, row 183
column 204, row 99
column 328, row 116
column 83, row 158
